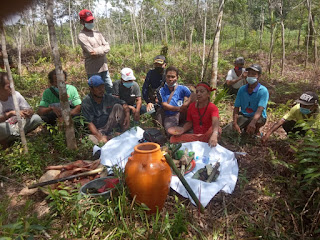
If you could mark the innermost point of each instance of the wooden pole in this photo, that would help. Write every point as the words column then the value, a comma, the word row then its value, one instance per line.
column 184, row 182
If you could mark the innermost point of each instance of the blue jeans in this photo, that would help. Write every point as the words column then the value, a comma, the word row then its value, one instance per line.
column 107, row 80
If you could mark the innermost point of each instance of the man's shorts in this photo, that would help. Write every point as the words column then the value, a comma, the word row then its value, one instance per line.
column 243, row 123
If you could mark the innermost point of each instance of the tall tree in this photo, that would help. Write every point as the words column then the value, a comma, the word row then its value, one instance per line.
column 213, row 81
column 204, row 39
column 65, row 107
column 282, row 35
column 273, row 26
column 15, row 101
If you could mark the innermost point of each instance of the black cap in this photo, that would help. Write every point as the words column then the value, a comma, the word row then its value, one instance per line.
column 239, row 60
column 308, row 98
column 159, row 59
column 255, row 67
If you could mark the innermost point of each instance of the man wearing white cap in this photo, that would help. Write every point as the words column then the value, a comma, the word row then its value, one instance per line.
column 129, row 91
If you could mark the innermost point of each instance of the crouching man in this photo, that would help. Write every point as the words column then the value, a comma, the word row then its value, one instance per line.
column 9, row 129
column 103, row 112
column 305, row 111
column 249, row 113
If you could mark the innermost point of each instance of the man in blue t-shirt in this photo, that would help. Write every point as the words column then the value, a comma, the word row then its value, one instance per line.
column 171, row 97
column 249, row 113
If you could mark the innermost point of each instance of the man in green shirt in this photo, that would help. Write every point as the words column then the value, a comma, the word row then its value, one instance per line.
column 306, row 110
column 49, row 107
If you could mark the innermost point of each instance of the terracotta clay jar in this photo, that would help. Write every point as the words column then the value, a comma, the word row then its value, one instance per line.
column 148, row 175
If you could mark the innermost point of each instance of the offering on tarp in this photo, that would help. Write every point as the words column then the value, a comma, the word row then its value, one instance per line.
column 183, row 159
column 208, row 174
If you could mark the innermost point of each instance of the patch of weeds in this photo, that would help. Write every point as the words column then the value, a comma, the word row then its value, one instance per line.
column 180, row 223
column 276, row 161
column 243, row 180
column 277, row 111
column 116, row 217
column 32, row 162
column 24, row 225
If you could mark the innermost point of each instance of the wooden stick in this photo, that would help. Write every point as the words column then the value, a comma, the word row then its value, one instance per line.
column 184, row 182
column 41, row 184
column 214, row 172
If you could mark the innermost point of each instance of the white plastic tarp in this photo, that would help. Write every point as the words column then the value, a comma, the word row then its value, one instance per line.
column 117, row 150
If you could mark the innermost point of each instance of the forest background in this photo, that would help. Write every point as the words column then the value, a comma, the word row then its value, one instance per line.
column 277, row 194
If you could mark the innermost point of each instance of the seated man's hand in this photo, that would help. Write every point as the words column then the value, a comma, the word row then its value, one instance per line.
column 213, row 141
column 150, row 107
column 264, row 139
column 236, row 127
column 103, row 139
column 126, row 123
column 57, row 111
column 136, row 116
column 251, row 128
column 27, row 113
column 244, row 74
column 10, row 114
column 132, row 108
column 175, row 130
column 183, row 108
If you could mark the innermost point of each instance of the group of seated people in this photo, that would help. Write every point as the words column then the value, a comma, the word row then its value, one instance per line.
column 185, row 115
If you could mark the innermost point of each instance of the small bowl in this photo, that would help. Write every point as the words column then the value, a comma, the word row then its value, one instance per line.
column 96, row 184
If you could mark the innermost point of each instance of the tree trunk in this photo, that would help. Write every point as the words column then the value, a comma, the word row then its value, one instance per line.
column 70, row 24
column 300, row 26
column 192, row 29
column 136, row 27
column 65, row 107
column 133, row 38
column 214, row 76
column 308, row 36
column 19, row 50
column 313, row 34
column 273, row 27
column 282, row 39
column 261, row 28
column 204, row 39
column 166, row 29
column 15, row 101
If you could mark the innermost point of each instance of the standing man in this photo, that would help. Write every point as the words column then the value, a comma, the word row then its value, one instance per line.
column 103, row 112
column 9, row 129
column 236, row 77
column 129, row 91
column 249, row 111
column 94, row 48
column 172, row 99
column 155, row 77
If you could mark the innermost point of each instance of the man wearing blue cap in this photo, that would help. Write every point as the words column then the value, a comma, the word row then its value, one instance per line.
column 103, row 112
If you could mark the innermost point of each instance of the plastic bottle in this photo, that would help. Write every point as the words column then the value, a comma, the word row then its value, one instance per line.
column 204, row 159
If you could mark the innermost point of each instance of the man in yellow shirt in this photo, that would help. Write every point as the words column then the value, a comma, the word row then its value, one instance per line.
column 306, row 110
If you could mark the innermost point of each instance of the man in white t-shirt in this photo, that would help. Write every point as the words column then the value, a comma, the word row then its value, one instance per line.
column 9, row 130
column 236, row 77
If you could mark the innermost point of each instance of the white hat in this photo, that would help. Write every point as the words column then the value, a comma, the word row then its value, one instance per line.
column 127, row 74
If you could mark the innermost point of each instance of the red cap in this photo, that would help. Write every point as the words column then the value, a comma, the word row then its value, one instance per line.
column 86, row 15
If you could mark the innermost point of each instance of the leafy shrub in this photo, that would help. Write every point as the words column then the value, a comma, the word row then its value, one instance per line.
column 307, row 150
